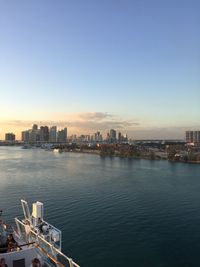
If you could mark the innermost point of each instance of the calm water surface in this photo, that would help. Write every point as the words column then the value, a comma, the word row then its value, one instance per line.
column 113, row 212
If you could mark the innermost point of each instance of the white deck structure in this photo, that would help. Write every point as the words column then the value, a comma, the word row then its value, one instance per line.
column 35, row 239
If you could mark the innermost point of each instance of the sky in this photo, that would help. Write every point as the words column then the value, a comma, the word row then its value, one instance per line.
column 132, row 65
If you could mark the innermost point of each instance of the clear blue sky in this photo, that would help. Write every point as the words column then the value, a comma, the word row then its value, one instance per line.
column 138, row 61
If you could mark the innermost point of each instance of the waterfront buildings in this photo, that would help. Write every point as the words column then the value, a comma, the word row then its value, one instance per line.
column 53, row 134
column 192, row 136
column 35, row 127
column 113, row 136
column 119, row 137
column 72, row 138
column 98, row 137
column 34, row 134
column 44, row 135
column 25, row 136
column 62, row 136
column 9, row 137
column 122, row 138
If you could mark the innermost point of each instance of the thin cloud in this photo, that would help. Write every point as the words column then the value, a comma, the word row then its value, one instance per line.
column 84, row 121
column 96, row 121
column 103, row 125
column 17, row 123
column 95, row 116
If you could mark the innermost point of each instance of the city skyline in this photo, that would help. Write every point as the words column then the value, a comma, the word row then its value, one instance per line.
column 52, row 133
column 128, row 65
column 99, row 122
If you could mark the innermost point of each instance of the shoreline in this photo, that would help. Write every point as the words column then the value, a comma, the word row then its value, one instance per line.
column 98, row 153
column 114, row 154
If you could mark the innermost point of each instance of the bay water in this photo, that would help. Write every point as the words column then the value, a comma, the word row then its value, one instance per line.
column 112, row 211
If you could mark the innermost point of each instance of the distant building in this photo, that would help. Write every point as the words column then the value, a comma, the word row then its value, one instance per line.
column 125, row 138
column 107, row 137
column 10, row 137
column 53, row 134
column 82, row 138
column 35, row 127
column 122, row 138
column 25, row 136
column 196, row 136
column 73, row 138
column 62, row 136
column 34, row 135
column 189, row 136
column 113, row 135
column 119, row 137
column 98, row 137
column 87, row 138
column 192, row 136
column 44, row 134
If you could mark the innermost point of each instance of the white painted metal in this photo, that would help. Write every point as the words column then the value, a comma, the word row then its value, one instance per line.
column 37, row 238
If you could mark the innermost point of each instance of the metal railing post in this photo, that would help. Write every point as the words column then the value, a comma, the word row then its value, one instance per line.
column 71, row 263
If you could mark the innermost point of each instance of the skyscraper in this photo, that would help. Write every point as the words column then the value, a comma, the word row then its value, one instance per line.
column 196, row 136
column 53, row 134
column 113, row 135
column 10, row 137
column 25, row 136
column 119, row 137
column 44, row 133
column 62, row 136
column 35, row 127
column 98, row 137
column 34, row 134
column 192, row 136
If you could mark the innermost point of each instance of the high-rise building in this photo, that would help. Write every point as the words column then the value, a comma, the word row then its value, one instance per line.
column 119, row 137
column 196, row 136
column 125, row 138
column 53, row 134
column 62, row 136
column 113, row 135
column 189, row 136
column 73, row 138
column 98, row 137
column 192, row 136
column 87, row 138
column 34, row 135
column 44, row 134
column 10, row 137
column 25, row 136
column 84, row 138
column 35, row 127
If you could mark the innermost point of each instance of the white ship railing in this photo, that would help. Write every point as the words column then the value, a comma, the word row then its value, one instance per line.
column 46, row 249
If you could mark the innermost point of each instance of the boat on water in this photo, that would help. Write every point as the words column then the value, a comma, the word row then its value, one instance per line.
column 58, row 150
column 32, row 240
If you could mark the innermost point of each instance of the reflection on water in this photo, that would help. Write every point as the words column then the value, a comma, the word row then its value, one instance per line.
column 113, row 212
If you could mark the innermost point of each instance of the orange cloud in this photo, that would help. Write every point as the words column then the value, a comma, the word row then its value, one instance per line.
column 76, row 122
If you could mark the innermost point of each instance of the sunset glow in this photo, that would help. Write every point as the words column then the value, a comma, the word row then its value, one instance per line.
column 132, row 66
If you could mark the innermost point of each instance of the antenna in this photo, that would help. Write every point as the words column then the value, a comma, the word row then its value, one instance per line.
column 26, row 211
